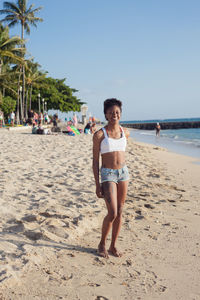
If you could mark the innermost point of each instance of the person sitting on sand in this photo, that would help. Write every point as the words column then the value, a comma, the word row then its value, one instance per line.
column 40, row 128
column 87, row 128
column 34, row 129
column 110, row 142
column 158, row 129
column 41, row 118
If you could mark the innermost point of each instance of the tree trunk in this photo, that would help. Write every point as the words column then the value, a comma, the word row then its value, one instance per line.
column 18, row 98
column 1, row 63
column 23, row 91
column 26, row 106
column 30, row 97
column 17, row 113
column 23, row 78
column 21, row 106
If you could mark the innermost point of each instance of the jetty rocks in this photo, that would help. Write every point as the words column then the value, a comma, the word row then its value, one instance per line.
column 164, row 125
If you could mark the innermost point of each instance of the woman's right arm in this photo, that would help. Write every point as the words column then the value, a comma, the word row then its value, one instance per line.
column 96, row 153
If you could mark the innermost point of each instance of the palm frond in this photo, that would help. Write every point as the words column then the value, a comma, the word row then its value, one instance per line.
column 12, row 6
column 13, row 23
column 27, row 28
column 14, row 57
column 8, row 87
column 33, row 19
column 22, row 5
column 30, row 8
column 6, row 11
column 36, row 9
column 15, row 40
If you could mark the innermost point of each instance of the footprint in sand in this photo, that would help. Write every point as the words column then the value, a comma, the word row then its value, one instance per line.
column 30, row 218
column 161, row 201
column 34, row 236
column 98, row 261
column 139, row 212
column 49, row 185
column 147, row 205
column 139, row 215
column 16, row 228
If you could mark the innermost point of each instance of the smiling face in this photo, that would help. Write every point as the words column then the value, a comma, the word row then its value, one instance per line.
column 113, row 114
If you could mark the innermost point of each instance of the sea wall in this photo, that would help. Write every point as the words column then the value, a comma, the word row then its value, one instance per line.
column 164, row 125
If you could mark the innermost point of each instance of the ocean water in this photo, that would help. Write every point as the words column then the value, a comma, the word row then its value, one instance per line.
column 162, row 120
column 183, row 141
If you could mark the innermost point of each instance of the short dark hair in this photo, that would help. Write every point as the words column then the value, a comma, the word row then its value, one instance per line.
column 111, row 102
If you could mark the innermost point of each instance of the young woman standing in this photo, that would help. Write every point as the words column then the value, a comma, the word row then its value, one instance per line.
column 110, row 143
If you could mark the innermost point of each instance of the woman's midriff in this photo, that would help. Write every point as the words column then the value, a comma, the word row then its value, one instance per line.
column 113, row 160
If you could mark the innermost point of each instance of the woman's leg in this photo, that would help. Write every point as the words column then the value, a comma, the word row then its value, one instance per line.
column 110, row 196
column 116, row 226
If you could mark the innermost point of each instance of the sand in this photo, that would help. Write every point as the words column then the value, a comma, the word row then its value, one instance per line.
column 50, row 223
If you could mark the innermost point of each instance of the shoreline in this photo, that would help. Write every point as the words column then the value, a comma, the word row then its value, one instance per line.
column 167, row 143
column 51, row 222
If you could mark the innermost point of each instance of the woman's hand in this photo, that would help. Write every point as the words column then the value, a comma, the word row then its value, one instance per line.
column 99, row 191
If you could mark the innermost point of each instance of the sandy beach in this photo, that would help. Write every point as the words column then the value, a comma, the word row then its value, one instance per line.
column 50, row 223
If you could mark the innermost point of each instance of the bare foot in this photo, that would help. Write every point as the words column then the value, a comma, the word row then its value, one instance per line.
column 113, row 251
column 102, row 251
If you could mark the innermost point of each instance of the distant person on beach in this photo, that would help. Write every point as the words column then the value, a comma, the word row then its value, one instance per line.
column 55, row 120
column 87, row 128
column 35, row 118
column 12, row 118
column 110, row 142
column 69, row 122
column 30, row 117
column 158, row 129
column 75, row 121
column 45, row 118
column 1, row 119
column 34, row 129
column 40, row 128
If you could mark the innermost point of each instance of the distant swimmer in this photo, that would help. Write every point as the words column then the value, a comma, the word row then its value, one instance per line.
column 158, row 129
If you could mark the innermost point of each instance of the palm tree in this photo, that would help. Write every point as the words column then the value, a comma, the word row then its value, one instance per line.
column 34, row 78
column 9, row 53
column 6, row 78
column 8, row 50
column 19, row 13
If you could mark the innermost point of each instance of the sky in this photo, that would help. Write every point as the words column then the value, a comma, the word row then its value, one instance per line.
column 144, row 52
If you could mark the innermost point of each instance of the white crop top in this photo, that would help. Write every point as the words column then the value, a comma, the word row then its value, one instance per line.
column 110, row 145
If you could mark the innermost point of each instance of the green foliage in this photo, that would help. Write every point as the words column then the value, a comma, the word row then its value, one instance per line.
column 10, row 51
column 57, row 94
column 8, row 105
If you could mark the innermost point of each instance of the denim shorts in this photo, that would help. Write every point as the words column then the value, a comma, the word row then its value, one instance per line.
column 114, row 175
